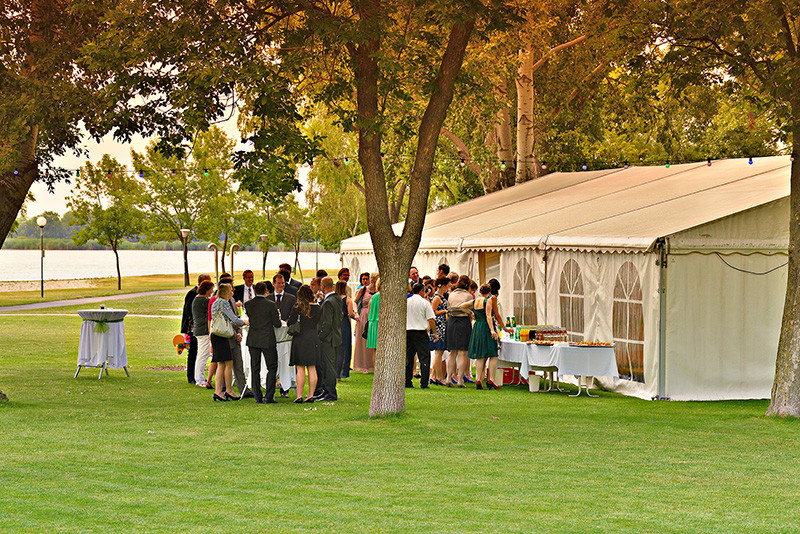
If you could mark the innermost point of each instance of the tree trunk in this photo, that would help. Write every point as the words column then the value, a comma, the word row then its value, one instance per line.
column 297, row 260
column 14, row 187
column 224, row 250
column 525, row 124
column 393, row 253
column 116, row 258
column 504, row 177
column 785, row 399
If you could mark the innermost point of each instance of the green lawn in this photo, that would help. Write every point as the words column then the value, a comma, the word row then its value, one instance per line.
column 151, row 454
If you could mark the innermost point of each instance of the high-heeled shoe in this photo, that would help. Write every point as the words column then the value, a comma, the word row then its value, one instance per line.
column 228, row 396
column 298, row 400
column 491, row 385
column 478, row 385
column 308, row 399
column 218, row 398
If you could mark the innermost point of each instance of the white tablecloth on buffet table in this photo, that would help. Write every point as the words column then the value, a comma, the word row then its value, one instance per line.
column 286, row 372
column 569, row 360
column 97, row 347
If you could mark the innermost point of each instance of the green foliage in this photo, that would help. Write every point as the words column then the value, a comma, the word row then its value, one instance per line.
column 57, row 227
column 103, row 204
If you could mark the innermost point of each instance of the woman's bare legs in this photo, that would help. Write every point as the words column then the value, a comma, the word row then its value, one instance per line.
column 312, row 380
column 301, row 380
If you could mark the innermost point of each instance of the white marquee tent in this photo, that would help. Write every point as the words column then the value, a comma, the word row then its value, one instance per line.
column 683, row 268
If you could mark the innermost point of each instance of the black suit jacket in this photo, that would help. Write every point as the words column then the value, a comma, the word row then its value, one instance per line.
column 330, row 322
column 238, row 293
column 292, row 288
column 263, row 315
column 186, row 318
column 287, row 303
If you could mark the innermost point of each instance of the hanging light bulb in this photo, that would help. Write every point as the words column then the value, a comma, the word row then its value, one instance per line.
column 668, row 164
column 47, row 173
column 625, row 165
column 584, row 166
column 708, row 162
column 750, row 161
column 310, row 164
column 544, row 165
column 347, row 161
column 16, row 172
column 108, row 174
column 503, row 165
column 173, row 173
column 205, row 172
column 791, row 158
column 141, row 174
column 383, row 156
column 463, row 162
column 78, row 173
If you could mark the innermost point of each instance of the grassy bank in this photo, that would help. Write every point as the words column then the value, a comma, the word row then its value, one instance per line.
column 150, row 453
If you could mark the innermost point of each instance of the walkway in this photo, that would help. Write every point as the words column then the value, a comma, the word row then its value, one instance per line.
column 87, row 300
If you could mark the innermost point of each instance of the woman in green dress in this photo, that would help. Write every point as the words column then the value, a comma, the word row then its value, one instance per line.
column 483, row 342
column 374, row 308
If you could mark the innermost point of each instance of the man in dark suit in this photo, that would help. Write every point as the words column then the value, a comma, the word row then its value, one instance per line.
column 293, row 284
column 284, row 302
column 264, row 320
column 289, row 288
column 188, row 328
column 330, row 337
column 244, row 292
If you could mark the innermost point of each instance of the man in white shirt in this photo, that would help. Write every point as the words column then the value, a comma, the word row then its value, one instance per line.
column 419, row 320
column 244, row 292
column 285, row 302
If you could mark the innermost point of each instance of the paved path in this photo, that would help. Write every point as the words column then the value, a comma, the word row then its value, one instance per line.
column 87, row 300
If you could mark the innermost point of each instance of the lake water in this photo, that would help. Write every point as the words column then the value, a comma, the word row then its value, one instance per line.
column 24, row 265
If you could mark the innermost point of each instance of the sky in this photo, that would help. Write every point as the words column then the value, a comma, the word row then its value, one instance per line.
column 56, row 201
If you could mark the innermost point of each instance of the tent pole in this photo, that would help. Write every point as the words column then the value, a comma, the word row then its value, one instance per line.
column 662, row 262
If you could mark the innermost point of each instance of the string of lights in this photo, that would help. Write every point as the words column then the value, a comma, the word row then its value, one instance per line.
column 462, row 162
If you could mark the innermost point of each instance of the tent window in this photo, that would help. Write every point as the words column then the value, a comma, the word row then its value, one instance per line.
column 524, row 293
column 571, row 300
column 628, row 324
column 442, row 260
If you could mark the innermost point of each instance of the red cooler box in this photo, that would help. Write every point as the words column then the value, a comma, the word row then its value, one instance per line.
column 511, row 376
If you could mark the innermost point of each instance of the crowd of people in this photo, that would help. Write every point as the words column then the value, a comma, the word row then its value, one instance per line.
column 451, row 324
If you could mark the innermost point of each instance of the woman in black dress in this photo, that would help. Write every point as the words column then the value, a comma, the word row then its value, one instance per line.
column 305, row 344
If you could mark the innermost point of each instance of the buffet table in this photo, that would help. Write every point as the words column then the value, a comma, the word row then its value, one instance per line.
column 578, row 361
column 102, row 341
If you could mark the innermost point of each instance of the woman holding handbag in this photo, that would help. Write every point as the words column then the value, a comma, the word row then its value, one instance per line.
column 223, row 319
column 302, row 324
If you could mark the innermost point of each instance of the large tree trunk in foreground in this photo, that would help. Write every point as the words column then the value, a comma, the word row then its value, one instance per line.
column 785, row 400
column 393, row 253
column 14, row 187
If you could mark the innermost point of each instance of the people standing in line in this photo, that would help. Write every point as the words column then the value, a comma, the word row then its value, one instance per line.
column 346, row 348
column 285, row 303
column 222, row 310
column 459, row 332
column 483, row 341
column 363, row 360
column 438, row 346
column 200, row 326
column 330, row 337
column 264, row 319
column 186, row 328
column 419, row 321
column 244, row 292
column 305, row 344
column 374, row 312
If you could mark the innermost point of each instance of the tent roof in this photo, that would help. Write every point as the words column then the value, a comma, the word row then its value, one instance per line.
column 614, row 209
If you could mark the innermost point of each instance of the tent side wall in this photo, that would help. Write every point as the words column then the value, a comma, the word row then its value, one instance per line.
column 723, row 325
column 724, row 306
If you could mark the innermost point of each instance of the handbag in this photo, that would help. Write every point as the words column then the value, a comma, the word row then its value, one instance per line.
column 221, row 326
column 366, row 328
column 293, row 329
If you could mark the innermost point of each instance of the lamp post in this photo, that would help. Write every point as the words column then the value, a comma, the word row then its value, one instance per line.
column 264, row 250
column 41, row 221
column 234, row 248
column 184, row 235
column 216, row 260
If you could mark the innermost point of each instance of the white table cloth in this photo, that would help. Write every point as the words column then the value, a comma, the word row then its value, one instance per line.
column 97, row 347
column 286, row 372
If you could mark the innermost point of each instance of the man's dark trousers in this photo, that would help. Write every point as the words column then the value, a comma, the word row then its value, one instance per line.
column 417, row 342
